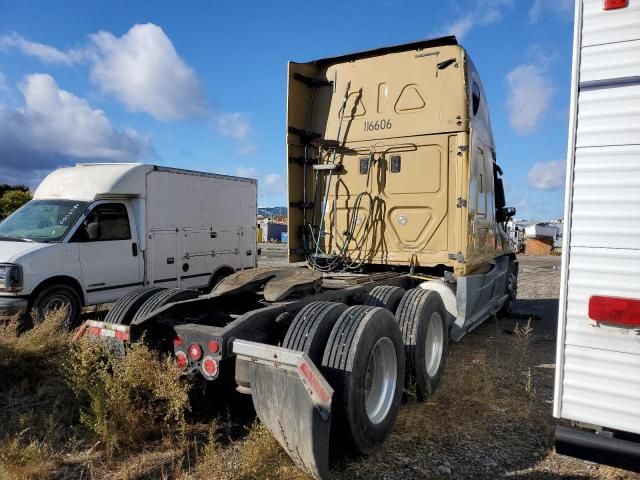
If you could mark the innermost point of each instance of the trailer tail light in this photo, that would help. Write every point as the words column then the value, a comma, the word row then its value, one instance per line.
column 621, row 311
column 181, row 360
column 177, row 342
column 614, row 4
column 195, row 352
column 214, row 346
column 209, row 367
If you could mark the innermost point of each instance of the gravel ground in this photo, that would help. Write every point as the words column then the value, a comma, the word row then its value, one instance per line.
column 491, row 417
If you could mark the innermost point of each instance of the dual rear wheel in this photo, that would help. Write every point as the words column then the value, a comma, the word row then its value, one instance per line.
column 368, row 355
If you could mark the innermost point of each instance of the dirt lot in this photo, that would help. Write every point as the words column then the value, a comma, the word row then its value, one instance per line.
column 491, row 417
column 66, row 414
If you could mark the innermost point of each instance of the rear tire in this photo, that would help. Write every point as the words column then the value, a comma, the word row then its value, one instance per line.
column 512, row 289
column 385, row 296
column 311, row 328
column 124, row 309
column 423, row 321
column 162, row 298
column 54, row 298
column 364, row 363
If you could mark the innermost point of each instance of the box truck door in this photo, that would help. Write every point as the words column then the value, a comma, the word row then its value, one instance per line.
column 109, row 257
column 163, row 258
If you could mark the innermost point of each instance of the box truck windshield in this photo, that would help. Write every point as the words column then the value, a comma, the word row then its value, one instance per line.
column 41, row 220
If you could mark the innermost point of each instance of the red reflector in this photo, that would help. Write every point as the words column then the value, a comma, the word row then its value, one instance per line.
column 195, row 352
column 181, row 360
column 209, row 366
column 97, row 331
column 214, row 346
column 623, row 311
column 614, row 4
column 122, row 335
column 177, row 341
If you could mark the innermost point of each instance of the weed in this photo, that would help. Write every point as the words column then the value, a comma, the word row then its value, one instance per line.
column 128, row 399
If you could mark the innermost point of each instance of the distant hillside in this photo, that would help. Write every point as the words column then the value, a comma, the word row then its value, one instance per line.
column 268, row 211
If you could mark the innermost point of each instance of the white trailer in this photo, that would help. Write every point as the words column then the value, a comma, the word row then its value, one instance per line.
column 95, row 232
column 597, row 385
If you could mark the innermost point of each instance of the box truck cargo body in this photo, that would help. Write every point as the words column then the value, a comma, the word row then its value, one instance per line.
column 597, row 384
column 94, row 232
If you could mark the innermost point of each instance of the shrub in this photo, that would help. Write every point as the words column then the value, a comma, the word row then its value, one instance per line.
column 130, row 399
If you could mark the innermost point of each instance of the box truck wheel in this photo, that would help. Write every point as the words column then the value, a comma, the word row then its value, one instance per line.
column 364, row 363
column 385, row 296
column 124, row 309
column 311, row 327
column 56, row 297
column 422, row 319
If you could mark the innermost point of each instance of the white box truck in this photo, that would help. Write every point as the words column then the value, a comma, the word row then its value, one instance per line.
column 597, row 385
column 94, row 232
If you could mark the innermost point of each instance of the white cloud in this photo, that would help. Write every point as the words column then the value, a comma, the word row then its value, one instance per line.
column 235, row 125
column 46, row 53
column 556, row 7
column 548, row 175
column 248, row 172
column 55, row 127
column 484, row 12
column 529, row 95
column 273, row 183
column 247, row 149
column 143, row 70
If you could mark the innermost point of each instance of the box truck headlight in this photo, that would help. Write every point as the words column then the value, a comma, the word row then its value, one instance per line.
column 10, row 278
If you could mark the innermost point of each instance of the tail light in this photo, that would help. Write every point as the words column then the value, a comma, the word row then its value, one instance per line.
column 209, row 367
column 614, row 4
column 195, row 351
column 214, row 346
column 181, row 360
column 177, row 341
column 621, row 311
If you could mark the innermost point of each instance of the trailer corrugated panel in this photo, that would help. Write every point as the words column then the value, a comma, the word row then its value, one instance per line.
column 598, row 363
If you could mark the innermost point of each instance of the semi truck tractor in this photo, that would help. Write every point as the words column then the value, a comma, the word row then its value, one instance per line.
column 397, row 206
column 95, row 232
column 597, row 383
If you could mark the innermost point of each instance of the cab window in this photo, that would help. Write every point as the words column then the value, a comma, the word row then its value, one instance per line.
column 106, row 222
column 475, row 97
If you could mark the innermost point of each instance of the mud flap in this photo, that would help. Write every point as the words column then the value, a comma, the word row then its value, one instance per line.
column 293, row 400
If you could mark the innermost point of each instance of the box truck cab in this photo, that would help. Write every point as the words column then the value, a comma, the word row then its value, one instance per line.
column 94, row 232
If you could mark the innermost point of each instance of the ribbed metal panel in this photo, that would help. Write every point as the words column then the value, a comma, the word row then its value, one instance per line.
column 602, row 386
column 606, row 197
column 601, row 271
column 596, row 61
column 598, row 364
column 609, row 116
column 600, row 26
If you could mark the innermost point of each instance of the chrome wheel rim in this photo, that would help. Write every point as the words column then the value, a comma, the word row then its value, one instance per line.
column 380, row 380
column 434, row 344
column 56, row 303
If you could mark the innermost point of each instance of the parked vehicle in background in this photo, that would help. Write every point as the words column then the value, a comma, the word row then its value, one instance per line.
column 94, row 232
column 597, row 385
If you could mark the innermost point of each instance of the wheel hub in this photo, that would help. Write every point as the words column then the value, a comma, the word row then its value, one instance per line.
column 434, row 344
column 380, row 380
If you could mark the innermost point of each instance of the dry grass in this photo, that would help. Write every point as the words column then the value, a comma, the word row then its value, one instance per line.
column 127, row 400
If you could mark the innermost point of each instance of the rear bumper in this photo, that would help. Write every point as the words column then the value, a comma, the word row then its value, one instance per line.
column 598, row 448
column 10, row 306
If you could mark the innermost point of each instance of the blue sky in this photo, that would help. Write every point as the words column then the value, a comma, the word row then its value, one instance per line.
column 201, row 84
